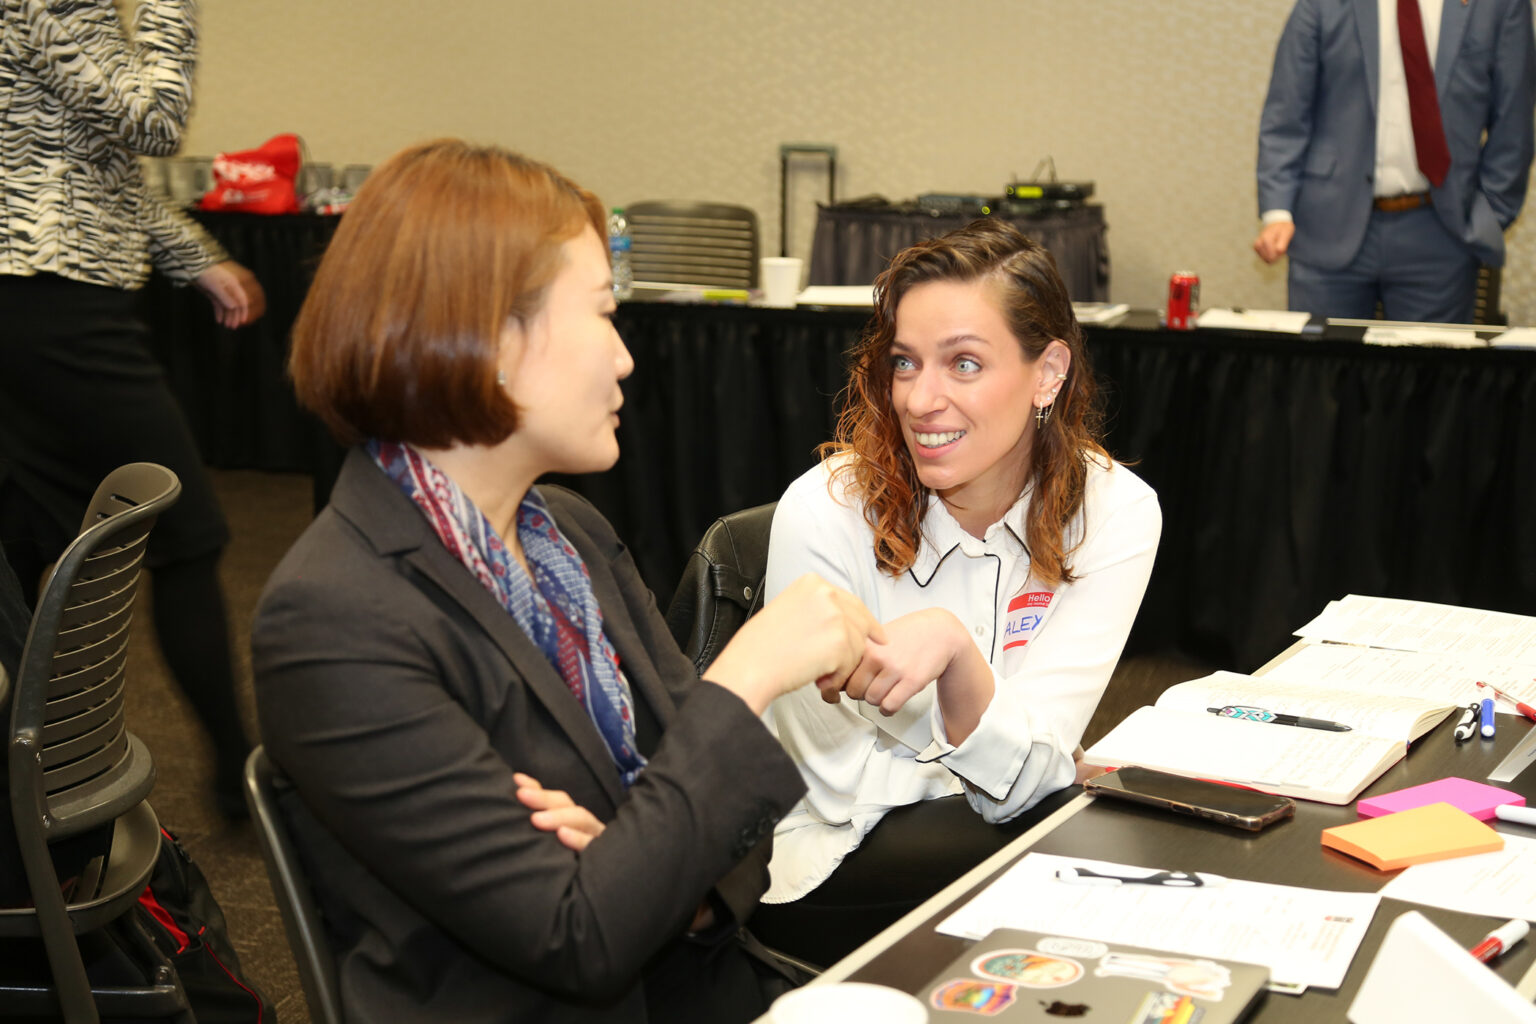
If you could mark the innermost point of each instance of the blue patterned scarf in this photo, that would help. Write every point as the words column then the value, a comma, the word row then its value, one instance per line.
column 556, row 609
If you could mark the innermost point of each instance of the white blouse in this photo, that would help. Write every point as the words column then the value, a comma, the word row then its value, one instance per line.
column 1051, row 654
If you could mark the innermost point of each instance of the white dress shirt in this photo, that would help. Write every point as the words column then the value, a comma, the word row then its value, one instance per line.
column 1397, row 162
column 1051, row 655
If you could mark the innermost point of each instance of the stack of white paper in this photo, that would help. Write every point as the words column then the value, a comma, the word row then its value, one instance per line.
column 1304, row 936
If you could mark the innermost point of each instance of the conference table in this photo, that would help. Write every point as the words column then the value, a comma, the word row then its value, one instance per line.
column 909, row 954
column 1290, row 469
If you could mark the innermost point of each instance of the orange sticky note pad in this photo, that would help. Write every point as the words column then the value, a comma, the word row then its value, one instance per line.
column 1432, row 832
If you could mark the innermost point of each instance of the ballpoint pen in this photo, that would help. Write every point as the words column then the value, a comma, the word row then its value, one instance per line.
column 1249, row 714
column 1520, row 706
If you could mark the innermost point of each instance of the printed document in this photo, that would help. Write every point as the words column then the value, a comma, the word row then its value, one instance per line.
column 1306, row 937
column 1421, row 626
column 1498, row 884
column 1448, row 678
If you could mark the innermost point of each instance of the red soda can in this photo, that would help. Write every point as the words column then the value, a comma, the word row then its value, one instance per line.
column 1183, row 300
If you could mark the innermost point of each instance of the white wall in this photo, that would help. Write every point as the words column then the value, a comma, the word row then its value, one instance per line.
column 1156, row 101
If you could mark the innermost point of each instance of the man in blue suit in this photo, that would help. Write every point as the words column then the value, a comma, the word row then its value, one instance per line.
column 1446, row 91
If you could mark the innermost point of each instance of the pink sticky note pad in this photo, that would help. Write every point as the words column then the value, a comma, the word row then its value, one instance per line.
column 1476, row 798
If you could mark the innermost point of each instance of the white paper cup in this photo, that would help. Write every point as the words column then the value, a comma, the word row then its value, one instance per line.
column 779, row 278
column 846, row 1002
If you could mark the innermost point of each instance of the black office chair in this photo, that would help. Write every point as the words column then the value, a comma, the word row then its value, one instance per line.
column 1487, row 297
column 721, row 587
column 295, row 899
column 722, row 584
column 713, row 244
column 76, row 774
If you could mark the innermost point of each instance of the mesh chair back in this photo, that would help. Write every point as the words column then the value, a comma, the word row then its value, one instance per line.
column 71, row 756
column 73, row 764
column 711, row 244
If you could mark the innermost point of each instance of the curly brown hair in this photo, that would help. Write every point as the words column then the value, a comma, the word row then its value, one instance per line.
column 1033, row 299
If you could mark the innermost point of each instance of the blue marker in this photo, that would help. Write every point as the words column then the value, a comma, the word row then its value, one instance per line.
column 1487, row 719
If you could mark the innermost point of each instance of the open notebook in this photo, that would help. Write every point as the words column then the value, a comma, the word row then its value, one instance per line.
column 1178, row 734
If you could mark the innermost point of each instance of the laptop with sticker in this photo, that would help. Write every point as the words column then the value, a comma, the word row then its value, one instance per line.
column 1014, row 976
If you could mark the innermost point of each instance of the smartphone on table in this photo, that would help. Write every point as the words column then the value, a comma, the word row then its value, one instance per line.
column 1226, row 805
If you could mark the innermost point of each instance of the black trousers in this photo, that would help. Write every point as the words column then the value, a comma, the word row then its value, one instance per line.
column 913, row 853
column 80, row 395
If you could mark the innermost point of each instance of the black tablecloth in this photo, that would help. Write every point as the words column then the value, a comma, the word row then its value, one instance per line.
column 854, row 243
column 233, row 385
column 1290, row 471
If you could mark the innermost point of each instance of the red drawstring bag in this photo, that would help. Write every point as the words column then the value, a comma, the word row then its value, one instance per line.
column 256, row 180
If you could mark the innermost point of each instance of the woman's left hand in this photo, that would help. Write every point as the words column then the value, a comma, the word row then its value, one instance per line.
column 236, row 295
column 555, row 811
column 917, row 650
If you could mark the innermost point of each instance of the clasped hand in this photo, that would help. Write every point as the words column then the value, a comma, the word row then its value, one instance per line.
column 811, row 631
column 918, row 648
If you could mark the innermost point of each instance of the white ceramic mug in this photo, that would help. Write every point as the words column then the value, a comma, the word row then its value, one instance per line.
column 845, row 1002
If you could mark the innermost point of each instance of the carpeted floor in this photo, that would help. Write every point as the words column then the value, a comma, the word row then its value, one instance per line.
column 266, row 512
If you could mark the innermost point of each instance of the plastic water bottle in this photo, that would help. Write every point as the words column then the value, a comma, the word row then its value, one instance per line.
column 618, row 254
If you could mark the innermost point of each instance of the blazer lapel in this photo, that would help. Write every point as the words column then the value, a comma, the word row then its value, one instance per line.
column 369, row 499
column 434, row 562
column 638, row 665
column 1453, row 25
column 1368, row 27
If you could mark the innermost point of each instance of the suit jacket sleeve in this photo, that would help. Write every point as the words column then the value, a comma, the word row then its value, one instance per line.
column 1505, row 166
column 370, row 702
column 1285, row 127
column 138, row 91
column 738, row 893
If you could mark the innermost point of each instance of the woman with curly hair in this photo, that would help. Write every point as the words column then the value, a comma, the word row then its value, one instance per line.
column 969, row 503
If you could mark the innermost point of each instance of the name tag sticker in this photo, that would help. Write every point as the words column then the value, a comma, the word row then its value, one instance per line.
column 1025, row 613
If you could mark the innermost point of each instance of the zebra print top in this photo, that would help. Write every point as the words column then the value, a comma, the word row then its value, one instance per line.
column 79, row 99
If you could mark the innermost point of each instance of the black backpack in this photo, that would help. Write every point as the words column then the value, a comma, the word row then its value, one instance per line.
column 178, row 911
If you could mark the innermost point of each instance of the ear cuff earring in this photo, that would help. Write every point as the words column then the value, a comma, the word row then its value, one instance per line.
column 1043, row 412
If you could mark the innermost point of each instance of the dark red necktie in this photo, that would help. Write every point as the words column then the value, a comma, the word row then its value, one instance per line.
column 1423, row 105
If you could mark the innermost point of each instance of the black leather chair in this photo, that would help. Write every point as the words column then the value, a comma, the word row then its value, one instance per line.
column 722, row 584
column 77, row 778
column 290, row 884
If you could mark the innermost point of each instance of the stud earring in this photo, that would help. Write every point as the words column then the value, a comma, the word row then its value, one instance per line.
column 501, row 378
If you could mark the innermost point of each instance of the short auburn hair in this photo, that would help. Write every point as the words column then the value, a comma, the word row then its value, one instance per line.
column 400, row 335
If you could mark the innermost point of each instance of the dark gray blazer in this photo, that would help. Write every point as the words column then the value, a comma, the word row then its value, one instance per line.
column 399, row 697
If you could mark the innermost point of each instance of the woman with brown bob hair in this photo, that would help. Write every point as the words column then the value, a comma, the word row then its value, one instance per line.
column 515, row 797
column 969, row 503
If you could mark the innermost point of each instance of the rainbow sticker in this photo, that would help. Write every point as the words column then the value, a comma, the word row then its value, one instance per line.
column 967, row 995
